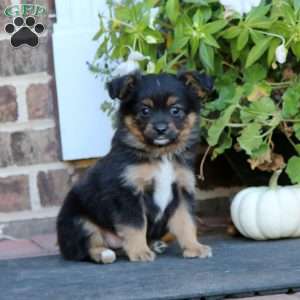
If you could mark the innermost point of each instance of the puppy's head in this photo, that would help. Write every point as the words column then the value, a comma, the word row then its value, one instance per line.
column 159, row 111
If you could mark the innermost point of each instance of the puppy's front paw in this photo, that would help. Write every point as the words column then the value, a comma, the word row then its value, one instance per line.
column 141, row 255
column 198, row 250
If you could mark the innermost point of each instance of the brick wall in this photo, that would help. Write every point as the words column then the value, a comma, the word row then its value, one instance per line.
column 33, row 179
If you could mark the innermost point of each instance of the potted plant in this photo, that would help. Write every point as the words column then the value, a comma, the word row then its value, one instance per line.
column 251, row 48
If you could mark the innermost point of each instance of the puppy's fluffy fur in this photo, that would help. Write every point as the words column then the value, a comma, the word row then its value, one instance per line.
column 145, row 186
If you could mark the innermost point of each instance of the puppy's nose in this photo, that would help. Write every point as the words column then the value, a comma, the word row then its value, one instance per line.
column 161, row 127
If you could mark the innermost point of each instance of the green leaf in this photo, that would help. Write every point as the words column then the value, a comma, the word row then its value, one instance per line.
column 242, row 39
column 255, row 73
column 207, row 56
column 256, row 92
column 215, row 26
column 289, row 14
column 179, row 43
column 100, row 31
column 260, row 111
column 198, row 18
column 194, row 42
column 257, row 51
column 297, row 130
column 102, row 49
column 250, row 138
column 216, row 129
column 293, row 169
column 272, row 49
column 291, row 101
column 231, row 32
column 257, row 13
column 296, row 49
column 199, row 2
column 209, row 40
column 225, row 143
column 173, row 10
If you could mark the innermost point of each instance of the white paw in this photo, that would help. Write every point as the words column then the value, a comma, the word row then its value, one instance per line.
column 108, row 256
column 201, row 251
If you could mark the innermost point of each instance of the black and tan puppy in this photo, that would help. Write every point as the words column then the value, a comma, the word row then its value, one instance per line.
column 145, row 186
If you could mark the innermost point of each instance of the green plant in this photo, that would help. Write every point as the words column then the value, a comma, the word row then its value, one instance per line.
column 256, row 95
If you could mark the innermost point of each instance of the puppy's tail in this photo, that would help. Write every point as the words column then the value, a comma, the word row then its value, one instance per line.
column 71, row 236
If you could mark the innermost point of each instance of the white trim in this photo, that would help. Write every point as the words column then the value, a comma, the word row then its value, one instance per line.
column 27, row 170
column 34, row 194
column 27, row 79
column 22, row 103
column 30, row 125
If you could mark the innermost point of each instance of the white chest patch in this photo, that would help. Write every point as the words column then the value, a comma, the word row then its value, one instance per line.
column 164, row 178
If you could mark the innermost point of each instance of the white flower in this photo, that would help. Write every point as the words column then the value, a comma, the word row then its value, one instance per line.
column 125, row 68
column 153, row 15
column 281, row 54
column 240, row 6
column 131, row 65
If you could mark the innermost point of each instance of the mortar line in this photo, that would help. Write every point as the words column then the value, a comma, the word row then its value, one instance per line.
column 27, row 79
column 22, row 104
column 35, row 200
column 27, row 170
column 21, row 125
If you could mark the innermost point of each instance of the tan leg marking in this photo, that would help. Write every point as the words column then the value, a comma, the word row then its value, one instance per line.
column 135, row 244
column 183, row 227
column 98, row 250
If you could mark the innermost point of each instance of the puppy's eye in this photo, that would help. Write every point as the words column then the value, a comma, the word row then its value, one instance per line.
column 175, row 111
column 145, row 111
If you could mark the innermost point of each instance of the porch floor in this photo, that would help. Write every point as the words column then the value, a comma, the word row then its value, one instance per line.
column 239, row 268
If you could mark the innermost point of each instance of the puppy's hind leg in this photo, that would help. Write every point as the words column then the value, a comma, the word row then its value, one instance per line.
column 102, row 255
column 97, row 249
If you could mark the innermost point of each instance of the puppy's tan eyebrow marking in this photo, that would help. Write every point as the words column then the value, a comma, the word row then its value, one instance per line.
column 148, row 102
column 171, row 100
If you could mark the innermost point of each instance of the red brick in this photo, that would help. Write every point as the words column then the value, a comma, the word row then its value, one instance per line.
column 6, row 158
column 33, row 147
column 23, row 60
column 53, row 186
column 8, row 104
column 39, row 101
column 14, row 193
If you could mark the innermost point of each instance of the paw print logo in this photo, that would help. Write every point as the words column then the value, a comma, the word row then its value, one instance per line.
column 24, row 31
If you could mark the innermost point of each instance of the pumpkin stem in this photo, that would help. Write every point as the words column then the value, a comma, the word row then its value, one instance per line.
column 273, row 183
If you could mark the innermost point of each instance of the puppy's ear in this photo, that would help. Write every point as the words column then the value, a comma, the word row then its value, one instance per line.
column 122, row 87
column 200, row 83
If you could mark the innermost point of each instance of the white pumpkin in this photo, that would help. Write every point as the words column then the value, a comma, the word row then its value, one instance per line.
column 263, row 213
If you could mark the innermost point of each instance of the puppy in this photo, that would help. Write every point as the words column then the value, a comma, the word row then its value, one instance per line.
column 144, row 188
